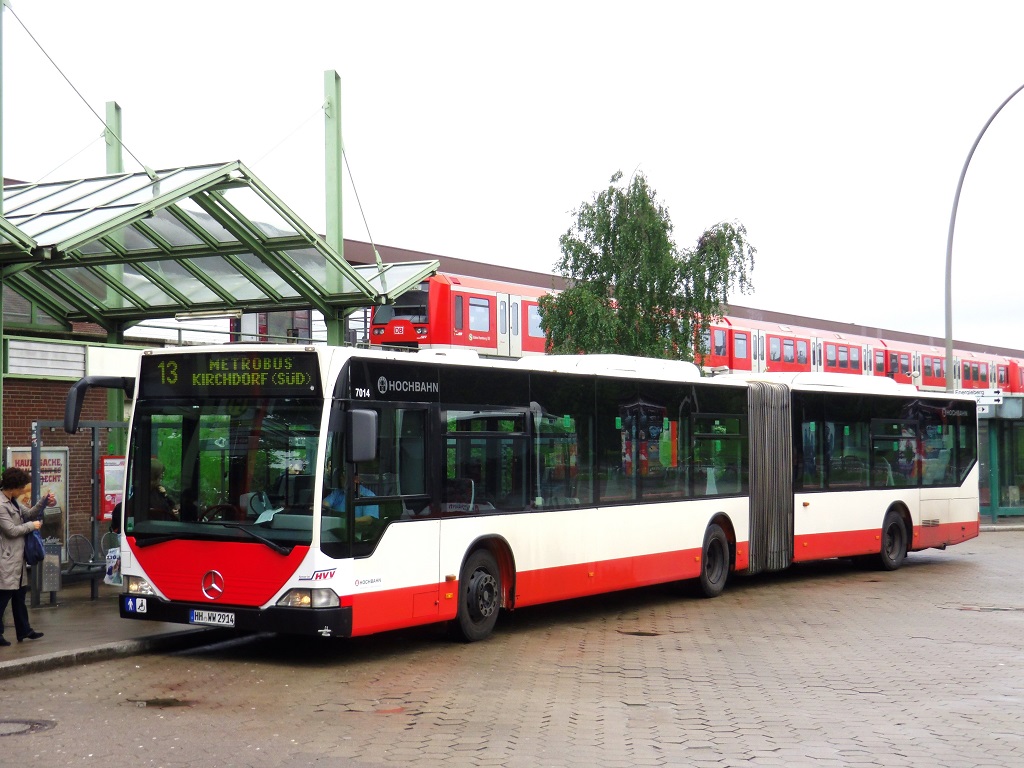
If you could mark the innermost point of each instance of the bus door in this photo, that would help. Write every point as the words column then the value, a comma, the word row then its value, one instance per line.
column 510, row 340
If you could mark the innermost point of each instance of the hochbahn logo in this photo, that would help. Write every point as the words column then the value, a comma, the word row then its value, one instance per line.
column 386, row 386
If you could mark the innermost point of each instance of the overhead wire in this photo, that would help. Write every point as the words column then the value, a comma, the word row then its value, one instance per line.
column 58, row 167
column 77, row 92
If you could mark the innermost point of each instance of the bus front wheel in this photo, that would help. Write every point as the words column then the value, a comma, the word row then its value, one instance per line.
column 714, row 561
column 479, row 597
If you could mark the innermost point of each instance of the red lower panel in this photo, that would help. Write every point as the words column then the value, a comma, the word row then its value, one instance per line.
column 252, row 573
column 382, row 611
column 551, row 584
column 821, row 546
column 950, row 533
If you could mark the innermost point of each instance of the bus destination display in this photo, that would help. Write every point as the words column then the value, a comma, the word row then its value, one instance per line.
column 230, row 374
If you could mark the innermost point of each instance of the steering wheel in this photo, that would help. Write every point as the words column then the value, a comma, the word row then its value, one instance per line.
column 219, row 512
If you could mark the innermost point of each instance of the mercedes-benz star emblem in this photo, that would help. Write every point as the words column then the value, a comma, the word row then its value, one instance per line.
column 213, row 585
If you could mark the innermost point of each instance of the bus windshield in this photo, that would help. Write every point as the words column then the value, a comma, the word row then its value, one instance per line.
column 224, row 468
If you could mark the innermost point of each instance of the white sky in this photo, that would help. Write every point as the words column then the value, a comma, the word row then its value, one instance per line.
column 834, row 131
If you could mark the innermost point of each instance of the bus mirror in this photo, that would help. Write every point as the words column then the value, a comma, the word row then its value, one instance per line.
column 362, row 435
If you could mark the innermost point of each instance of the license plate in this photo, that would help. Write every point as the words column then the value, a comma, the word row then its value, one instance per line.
column 214, row 618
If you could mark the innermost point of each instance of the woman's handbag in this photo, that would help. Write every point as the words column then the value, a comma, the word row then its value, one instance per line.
column 34, row 551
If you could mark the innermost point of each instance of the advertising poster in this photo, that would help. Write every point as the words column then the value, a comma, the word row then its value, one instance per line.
column 53, row 478
column 112, row 489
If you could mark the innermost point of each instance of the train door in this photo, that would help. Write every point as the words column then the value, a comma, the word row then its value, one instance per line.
column 757, row 351
column 510, row 339
column 816, row 351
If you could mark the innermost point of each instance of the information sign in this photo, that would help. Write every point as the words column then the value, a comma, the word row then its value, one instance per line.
column 230, row 374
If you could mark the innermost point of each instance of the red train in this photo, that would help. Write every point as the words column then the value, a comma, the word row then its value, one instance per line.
column 498, row 319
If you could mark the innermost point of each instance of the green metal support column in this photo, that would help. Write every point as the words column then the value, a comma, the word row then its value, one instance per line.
column 115, row 164
column 333, row 160
column 994, row 434
column 3, row 357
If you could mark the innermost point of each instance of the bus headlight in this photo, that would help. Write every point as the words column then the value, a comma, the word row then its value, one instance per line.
column 309, row 598
column 135, row 585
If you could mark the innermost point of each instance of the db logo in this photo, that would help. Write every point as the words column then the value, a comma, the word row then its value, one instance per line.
column 399, row 330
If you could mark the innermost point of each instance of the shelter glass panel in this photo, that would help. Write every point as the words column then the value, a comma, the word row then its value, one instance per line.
column 87, row 281
column 273, row 279
column 165, row 184
column 102, row 192
column 171, row 229
column 312, row 263
column 145, row 289
column 129, row 239
column 176, row 274
column 262, row 216
column 37, row 287
column 206, row 222
column 228, row 278
column 58, row 196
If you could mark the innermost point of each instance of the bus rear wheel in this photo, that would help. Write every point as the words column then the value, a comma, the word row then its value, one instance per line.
column 479, row 597
column 714, row 562
column 894, row 542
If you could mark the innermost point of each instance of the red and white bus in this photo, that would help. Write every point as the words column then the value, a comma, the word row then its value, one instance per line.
column 471, row 485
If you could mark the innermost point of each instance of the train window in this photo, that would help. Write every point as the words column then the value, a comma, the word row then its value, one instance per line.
column 774, row 349
column 974, row 372
column 515, row 318
column 879, row 362
column 788, row 354
column 534, row 327
column 739, row 346
column 479, row 314
column 502, row 318
column 928, row 366
column 893, row 362
column 719, row 337
column 967, row 372
column 801, row 352
column 855, row 358
column 1001, row 373
column 905, row 365
column 830, row 355
column 984, row 372
column 844, row 357
column 458, row 313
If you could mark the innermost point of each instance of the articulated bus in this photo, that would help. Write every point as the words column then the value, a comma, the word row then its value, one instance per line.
column 342, row 492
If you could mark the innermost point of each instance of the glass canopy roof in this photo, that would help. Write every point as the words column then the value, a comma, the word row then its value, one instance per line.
column 115, row 250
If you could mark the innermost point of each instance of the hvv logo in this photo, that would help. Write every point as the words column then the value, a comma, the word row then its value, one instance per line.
column 320, row 575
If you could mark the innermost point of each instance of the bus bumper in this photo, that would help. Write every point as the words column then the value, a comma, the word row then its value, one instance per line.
column 327, row 622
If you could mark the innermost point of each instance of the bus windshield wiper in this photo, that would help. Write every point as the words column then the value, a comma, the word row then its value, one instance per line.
column 281, row 550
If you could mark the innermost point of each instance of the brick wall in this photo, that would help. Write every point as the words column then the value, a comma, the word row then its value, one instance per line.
column 26, row 401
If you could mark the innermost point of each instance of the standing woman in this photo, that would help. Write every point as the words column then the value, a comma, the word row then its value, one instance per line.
column 15, row 525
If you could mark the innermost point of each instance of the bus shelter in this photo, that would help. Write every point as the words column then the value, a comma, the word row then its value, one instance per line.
column 112, row 251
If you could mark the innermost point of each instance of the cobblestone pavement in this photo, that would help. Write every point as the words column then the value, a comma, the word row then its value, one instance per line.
column 824, row 665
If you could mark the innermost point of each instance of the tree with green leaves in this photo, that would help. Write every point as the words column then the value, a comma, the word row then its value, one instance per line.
column 630, row 289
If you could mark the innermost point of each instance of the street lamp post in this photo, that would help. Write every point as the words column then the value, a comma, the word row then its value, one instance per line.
column 949, row 245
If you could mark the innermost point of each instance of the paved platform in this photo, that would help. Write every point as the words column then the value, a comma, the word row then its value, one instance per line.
column 78, row 629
